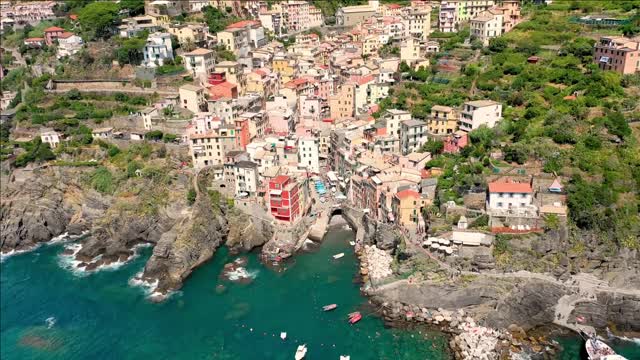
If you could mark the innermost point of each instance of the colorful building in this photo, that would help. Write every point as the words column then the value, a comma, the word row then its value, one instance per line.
column 284, row 198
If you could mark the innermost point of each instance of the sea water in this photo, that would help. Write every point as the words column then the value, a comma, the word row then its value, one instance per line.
column 50, row 312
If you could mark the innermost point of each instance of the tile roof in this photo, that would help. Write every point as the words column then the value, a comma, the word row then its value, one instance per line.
column 244, row 23
column 53, row 29
column 407, row 193
column 199, row 51
column 509, row 187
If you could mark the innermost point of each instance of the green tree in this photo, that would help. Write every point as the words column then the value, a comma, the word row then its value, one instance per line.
column 133, row 7
column 433, row 147
column 498, row 44
column 191, row 196
column 153, row 135
column 98, row 19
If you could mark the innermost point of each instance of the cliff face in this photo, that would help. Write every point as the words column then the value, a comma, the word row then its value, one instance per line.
column 189, row 243
column 38, row 205
column 246, row 232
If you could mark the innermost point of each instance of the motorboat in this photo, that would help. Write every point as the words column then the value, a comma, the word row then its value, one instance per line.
column 598, row 350
column 283, row 335
column 301, row 352
column 329, row 307
column 355, row 318
column 352, row 243
column 345, row 357
column 338, row 256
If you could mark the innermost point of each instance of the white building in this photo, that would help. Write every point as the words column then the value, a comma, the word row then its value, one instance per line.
column 6, row 99
column 69, row 44
column 393, row 118
column 158, row 49
column 487, row 26
column 509, row 195
column 477, row 113
column 200, row 62
column 246, row 178
column 51, row 137
column 413, row 134
column 309, row 154
column 102, row 133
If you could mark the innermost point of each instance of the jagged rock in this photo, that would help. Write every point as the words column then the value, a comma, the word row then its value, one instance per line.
column 32, row 209
column 529, row 305
column 185, row 246
column 483, row 262
column 621, row 310
column 247, row 232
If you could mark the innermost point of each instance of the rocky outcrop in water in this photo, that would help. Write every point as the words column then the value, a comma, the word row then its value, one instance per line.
column 185, row 246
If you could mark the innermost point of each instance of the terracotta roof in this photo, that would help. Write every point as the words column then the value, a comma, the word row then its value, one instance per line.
column 509, row 187
column 53, row 29
column 394, row 6
column 361, row 80
column 34, row 39
column 244, row 23
column 65, row 35
column 280, row 179
column 73, row 17
column 407, row 193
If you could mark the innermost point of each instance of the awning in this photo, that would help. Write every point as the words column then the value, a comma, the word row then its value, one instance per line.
column 275, row 192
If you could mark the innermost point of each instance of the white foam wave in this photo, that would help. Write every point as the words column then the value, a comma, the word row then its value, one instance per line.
column 150, row 288
column 241, row 273
column 51, row 321
column 62, row 238
column 69, row 261
column 5, row 256
column 628, row 339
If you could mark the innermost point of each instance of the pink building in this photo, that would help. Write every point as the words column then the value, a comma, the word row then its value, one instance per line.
column 326, row 88
column 618, row 54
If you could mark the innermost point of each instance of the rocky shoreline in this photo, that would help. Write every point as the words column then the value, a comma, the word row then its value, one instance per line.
column 185, row 236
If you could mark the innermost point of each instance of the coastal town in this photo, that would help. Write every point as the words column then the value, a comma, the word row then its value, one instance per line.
column 463, row 141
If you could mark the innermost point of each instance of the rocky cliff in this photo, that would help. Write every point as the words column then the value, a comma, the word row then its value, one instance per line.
column 185, row 246
column 37, row 205
column 247, row 232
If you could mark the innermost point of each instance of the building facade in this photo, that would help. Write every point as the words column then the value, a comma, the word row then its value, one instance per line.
column 618, row 54
column 477, row 113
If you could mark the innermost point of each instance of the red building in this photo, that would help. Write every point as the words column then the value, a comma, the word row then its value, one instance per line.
column 51, row 34
column 284, row 198
column 242, row 125
column 220, row 87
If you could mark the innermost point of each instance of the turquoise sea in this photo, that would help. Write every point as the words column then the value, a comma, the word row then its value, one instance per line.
column 48, row 312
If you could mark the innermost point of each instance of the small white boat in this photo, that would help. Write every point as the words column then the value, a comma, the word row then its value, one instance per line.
column 283, row 335
column 352, row 243
column 345, row 357
column 598, row 350
column 301, row 352
column 338, row 256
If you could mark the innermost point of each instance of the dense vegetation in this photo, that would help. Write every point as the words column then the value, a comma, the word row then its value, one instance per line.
column 562, row 115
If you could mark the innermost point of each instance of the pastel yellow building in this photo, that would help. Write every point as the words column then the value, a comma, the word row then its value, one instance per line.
column 407, row 206
column 285, row 68
column 442, row 121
